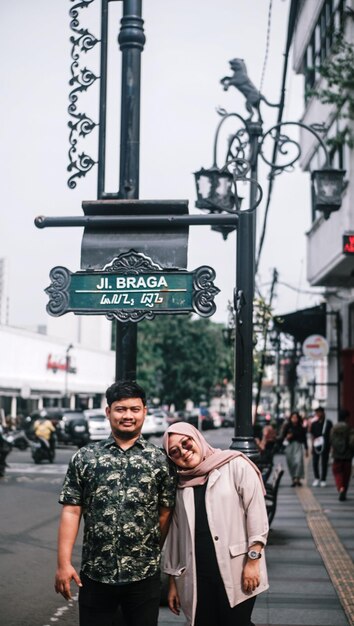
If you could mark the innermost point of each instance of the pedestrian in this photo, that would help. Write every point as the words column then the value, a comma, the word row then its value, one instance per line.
column 342, row 447
column 320, row 429
column 215, row 546
column 124, row 487
column 294, row 436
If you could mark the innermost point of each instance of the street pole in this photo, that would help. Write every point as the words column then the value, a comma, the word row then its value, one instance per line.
column 131, row 42
column 245, row 281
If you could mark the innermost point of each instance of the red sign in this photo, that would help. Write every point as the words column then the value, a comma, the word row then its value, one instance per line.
column 348, row 244
column 62, row 363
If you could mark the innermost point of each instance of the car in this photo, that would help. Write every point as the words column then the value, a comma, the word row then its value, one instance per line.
column 154, row 425
column 228, row 419
column 200, row 418
column 70, row 424
column 99, row 426
column 171, row 418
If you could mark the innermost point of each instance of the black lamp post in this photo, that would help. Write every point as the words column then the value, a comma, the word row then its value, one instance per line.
column 217, row 193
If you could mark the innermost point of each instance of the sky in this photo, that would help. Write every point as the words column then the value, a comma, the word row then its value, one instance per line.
column 188, row 48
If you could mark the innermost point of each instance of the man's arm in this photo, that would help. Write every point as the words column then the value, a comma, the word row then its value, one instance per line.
column 68, row 529
column 164, row 520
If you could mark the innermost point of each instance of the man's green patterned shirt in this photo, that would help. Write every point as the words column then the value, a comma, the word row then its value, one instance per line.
column 120, row 492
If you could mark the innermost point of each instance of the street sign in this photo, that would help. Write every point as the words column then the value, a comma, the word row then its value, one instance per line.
column 315, row 347
column 130, row 288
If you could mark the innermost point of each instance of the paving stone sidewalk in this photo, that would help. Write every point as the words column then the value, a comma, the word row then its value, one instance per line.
column 302, row 592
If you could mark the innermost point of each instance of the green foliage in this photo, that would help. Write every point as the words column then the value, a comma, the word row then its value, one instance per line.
column 180, row 358
column 338, row 71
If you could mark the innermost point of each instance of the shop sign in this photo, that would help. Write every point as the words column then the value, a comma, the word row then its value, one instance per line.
column 315, row 347
column 60, row 363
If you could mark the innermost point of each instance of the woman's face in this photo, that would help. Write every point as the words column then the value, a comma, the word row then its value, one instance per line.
column 184, row 451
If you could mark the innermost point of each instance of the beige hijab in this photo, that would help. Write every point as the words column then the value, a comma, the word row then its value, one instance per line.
column 212, row 457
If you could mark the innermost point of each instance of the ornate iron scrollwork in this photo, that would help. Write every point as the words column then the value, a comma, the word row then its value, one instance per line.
column 204, row 291
column 288, row 148
column 130, row 316
column 57, row 291
column 133, row 262
column 81, row 124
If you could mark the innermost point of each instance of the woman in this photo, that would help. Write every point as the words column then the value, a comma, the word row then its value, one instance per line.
column 214, row 549
column 294, row 434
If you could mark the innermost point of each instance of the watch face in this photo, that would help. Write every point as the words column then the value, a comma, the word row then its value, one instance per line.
column 253, row 554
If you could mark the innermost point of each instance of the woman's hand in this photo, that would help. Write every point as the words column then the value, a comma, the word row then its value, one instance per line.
column 173, row 598
column 251, row 576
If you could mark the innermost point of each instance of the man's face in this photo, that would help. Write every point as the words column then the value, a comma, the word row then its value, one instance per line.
column 126, row 417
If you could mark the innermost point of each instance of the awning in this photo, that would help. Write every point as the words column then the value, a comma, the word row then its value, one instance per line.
column 301, row 324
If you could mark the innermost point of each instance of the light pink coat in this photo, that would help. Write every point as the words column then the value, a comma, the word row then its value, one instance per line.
column 237, row 519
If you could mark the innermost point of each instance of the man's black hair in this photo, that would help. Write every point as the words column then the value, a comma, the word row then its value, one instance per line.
column 123, row 389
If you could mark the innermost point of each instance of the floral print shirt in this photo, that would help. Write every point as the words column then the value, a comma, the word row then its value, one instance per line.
column 120, row 492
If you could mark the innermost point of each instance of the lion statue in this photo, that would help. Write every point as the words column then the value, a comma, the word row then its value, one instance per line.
column 242, row 82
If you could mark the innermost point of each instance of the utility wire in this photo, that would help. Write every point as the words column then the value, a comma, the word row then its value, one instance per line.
column 291, row 24
column 267, row 44
column 298, row 290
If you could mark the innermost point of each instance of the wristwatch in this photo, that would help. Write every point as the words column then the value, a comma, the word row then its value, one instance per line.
column 253, row 555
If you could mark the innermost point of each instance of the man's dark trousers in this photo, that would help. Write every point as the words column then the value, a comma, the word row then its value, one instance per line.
column 139, row 602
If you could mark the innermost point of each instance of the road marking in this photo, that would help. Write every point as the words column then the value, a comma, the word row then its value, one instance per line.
column 61, row 610
column 31, row 468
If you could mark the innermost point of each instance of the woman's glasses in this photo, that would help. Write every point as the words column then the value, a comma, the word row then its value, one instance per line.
column 177, row 451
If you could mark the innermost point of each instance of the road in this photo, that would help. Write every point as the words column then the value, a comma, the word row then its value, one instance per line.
column 29, row 521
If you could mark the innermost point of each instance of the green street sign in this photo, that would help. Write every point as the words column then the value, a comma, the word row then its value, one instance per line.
column 130, row 288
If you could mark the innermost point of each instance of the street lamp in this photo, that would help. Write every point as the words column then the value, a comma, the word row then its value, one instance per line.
column 67, row 368
column 217, row 193
column 327, row 188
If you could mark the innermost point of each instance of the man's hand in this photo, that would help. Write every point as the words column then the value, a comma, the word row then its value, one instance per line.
column 173, row 598
column 63, row 578
column 251, row 576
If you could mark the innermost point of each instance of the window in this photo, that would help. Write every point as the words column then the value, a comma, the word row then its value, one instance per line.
column 330, row 21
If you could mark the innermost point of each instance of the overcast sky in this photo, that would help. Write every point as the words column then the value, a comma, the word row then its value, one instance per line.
column 189, row 44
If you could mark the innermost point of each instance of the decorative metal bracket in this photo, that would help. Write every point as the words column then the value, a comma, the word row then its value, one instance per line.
column 81, row 124
column 130, row 288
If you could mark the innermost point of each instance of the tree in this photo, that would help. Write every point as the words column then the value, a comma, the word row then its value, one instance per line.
column 338, row 72
column 181, row 358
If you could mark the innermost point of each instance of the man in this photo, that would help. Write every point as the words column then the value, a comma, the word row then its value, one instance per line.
column 125, row 490
column 44, row 429
column 320, row 432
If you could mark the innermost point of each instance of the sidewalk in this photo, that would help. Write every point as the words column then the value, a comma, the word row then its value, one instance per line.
column 310, row 557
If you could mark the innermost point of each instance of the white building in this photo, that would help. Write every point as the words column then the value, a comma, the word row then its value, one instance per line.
column 39, row 370
column 327, row 265
column 4, row 304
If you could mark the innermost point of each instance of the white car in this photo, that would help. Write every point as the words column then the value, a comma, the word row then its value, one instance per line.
column 154, row 425
column 99, row 426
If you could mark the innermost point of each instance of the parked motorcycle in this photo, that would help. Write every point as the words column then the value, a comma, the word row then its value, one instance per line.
column 42, row 450
column 18, row 439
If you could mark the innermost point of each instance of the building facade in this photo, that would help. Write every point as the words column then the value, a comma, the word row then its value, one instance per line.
column 328, row 264
column 38, row 370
